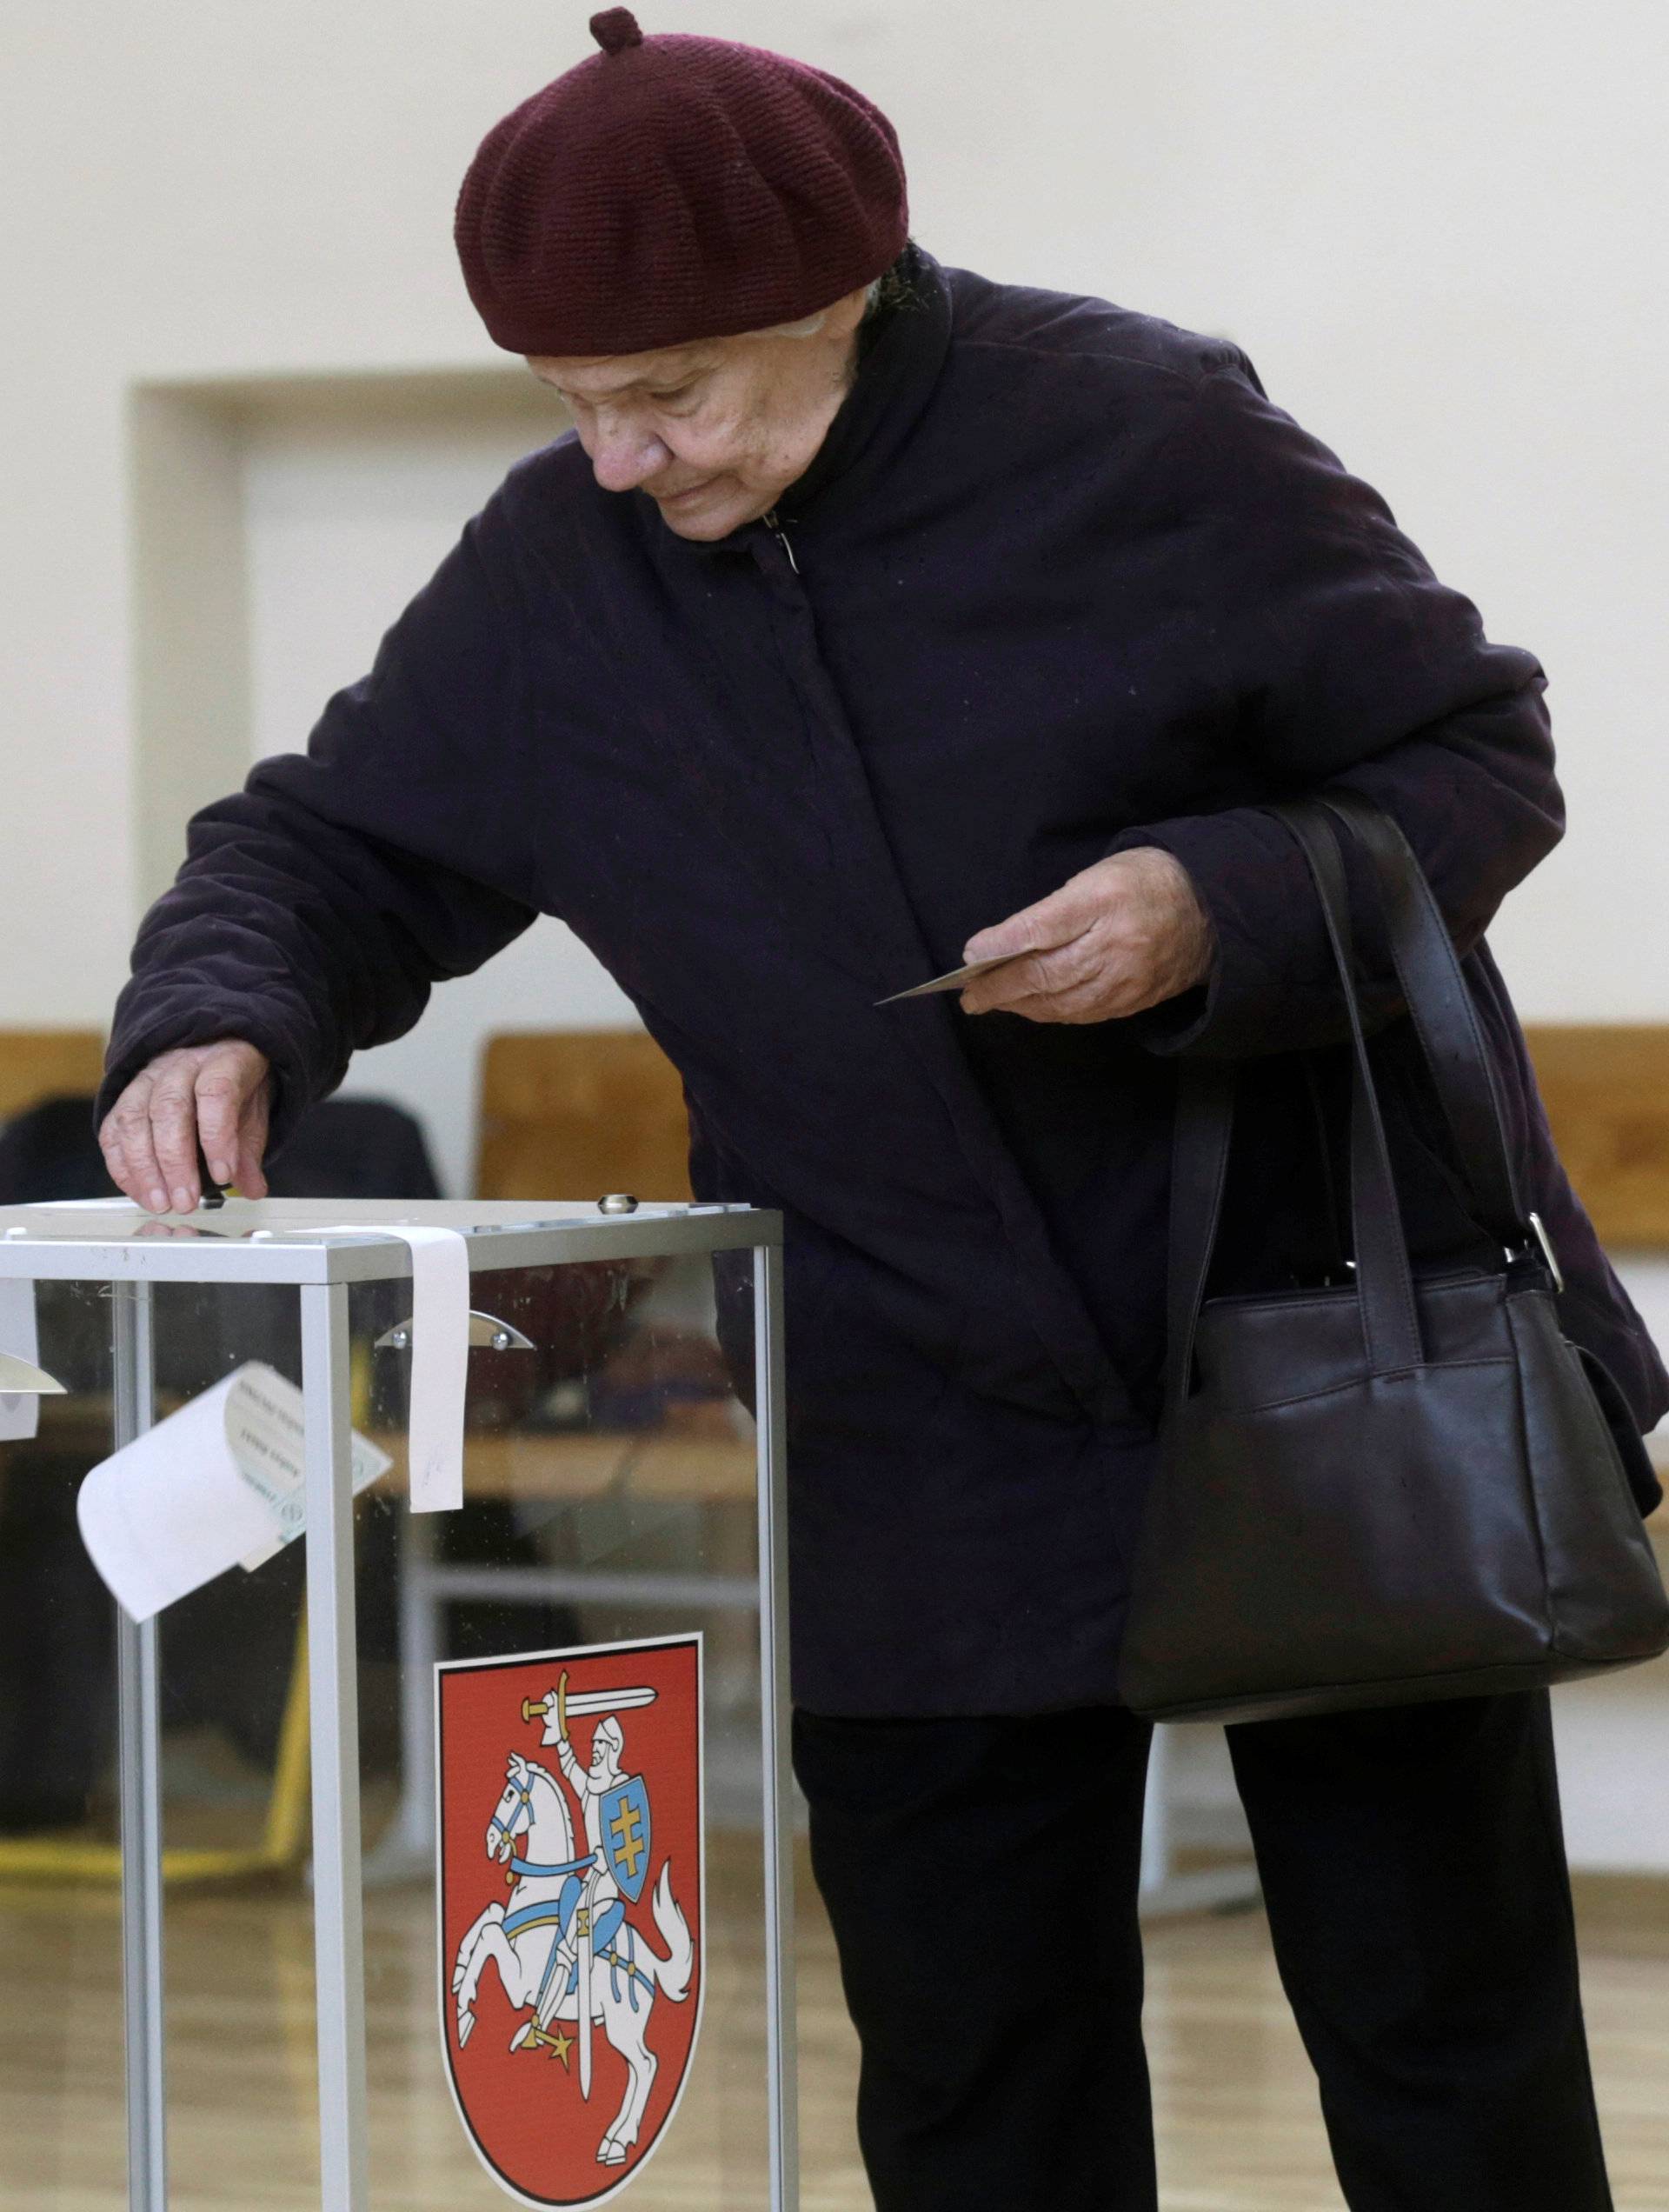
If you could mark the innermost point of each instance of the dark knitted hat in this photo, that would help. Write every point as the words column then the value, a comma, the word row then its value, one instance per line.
column 674, row 188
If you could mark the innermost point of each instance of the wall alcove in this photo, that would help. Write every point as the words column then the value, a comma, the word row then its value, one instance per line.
column 279, row 524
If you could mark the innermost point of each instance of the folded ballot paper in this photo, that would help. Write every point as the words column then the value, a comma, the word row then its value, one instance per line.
column 217, row 1485
column 20, row 1411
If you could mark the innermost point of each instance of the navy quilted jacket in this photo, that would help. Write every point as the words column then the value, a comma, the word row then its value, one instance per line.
column 1061, row 580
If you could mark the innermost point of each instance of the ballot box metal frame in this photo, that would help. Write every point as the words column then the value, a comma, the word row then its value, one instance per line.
column 248, row 1244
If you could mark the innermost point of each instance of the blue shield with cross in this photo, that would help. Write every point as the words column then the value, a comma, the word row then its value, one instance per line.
column 625, row 1821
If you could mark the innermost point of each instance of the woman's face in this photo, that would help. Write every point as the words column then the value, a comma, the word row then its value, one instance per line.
column 713, row 432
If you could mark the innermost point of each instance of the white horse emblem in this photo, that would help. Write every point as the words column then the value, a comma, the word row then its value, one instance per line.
column 569, row 1958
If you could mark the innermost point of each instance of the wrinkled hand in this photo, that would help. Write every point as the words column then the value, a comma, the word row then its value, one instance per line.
column 1118, row 937
column 221, row 1092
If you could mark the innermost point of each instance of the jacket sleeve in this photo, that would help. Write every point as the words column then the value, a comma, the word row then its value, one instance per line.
column 316, row 906
column 1341, row 660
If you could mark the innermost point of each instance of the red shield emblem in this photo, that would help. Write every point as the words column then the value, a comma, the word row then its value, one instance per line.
column 572, row 1886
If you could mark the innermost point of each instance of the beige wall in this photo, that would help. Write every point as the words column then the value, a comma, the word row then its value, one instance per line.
column 1437, row 227
column 350, row 496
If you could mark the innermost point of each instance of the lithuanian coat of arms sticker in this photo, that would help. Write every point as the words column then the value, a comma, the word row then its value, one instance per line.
column 571, row 1878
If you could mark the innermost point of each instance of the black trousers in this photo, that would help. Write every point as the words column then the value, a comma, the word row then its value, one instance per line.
column 982, row 1876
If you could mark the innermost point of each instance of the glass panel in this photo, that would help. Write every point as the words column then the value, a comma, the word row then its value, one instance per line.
column 237, row 1922
column 63, row 2123
column 609, row 1503
column 609, row 1521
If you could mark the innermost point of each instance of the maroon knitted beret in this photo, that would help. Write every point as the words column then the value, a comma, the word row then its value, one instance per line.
column 676, row 188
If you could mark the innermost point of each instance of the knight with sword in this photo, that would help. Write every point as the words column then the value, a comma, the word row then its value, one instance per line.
column 614, row 1807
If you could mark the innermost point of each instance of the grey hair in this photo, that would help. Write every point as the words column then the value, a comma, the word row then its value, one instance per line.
column 891, row 289
column 894, row 287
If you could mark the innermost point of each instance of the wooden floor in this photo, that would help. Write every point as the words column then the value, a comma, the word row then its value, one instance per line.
column 1238, row 2124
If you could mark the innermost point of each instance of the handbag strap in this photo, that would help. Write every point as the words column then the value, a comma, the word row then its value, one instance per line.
column 1453, row 1046
column 1385, row 1288
column 1204, row 1126
column 1199, row 1139
column 1443, row 1013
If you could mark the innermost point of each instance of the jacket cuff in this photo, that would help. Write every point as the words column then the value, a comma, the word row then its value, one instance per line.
column 1273, row 986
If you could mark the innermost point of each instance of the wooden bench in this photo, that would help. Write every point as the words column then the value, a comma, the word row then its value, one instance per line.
column 1606, row 1086
column 48, row 1063
column 574, row 1113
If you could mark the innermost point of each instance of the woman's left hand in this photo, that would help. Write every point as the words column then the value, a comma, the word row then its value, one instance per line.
column 1120, row 935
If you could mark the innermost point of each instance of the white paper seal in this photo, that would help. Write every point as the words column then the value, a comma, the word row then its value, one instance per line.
column 440, row 1357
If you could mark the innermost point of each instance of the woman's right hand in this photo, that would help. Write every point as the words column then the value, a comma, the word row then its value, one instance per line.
column 220, row 1093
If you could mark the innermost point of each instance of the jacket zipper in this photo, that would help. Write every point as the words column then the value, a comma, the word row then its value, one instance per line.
column 771, row 522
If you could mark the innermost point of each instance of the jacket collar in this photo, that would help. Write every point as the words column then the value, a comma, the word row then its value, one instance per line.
column 897, row 371
column 896, row 378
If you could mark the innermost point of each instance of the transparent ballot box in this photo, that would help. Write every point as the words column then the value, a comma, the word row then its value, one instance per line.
column 411, row 1833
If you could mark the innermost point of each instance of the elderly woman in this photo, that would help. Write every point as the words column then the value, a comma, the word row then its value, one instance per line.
column 875, row 616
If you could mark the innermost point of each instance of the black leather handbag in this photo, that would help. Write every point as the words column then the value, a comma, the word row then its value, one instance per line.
column 1408, row 1486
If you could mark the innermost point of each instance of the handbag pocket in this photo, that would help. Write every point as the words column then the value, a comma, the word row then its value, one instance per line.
column 1634, row 1462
